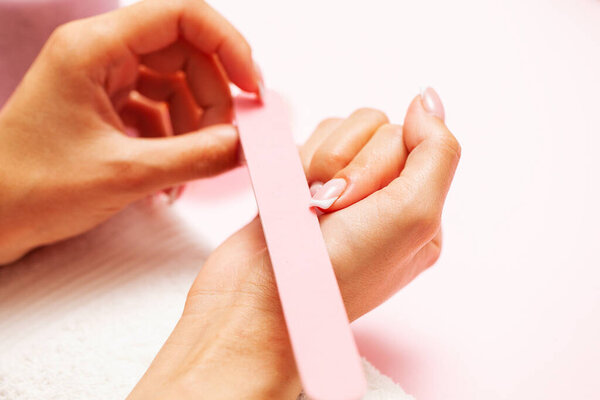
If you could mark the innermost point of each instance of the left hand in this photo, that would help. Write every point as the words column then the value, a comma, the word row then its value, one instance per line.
column 160, row 67
column 231, row 341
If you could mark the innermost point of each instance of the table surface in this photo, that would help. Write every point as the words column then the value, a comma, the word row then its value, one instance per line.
column 512, row 308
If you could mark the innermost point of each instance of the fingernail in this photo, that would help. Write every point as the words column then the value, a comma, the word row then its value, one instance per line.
column 260, row 81
column 315, row 187
column 432, row 103
column 327, row 194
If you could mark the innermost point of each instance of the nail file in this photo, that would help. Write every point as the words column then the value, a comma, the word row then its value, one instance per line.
column 326, row 355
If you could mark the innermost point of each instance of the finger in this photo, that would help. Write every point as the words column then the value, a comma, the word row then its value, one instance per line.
column 149, row 118
column 148, row 165
column 340, row 147
column 308, row 149
column 205, row 77
column 411, row 205
column 377, row 164
column 184, row 113
column 147, row 26
column 400, row 219
column 210, row 88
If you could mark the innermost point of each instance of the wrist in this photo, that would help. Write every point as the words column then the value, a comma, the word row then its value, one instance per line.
column 228, row 344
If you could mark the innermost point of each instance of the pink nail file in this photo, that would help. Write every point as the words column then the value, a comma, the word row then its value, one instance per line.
column 323, row 344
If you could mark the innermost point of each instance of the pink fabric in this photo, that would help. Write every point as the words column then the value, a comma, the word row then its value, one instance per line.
column 324, row 348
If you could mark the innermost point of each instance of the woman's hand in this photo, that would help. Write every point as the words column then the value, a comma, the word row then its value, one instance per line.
column 231, row 341
column 161, row 68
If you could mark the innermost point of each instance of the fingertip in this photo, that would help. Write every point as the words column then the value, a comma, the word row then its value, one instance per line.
column 238, row 61
column 432, row 104
column 425, row 119
column 325, row 195
column 177, row 159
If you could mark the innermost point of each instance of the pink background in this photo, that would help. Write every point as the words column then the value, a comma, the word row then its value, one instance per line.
column 512, row 309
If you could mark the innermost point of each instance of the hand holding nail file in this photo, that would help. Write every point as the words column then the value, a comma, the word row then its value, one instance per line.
column 317, row 323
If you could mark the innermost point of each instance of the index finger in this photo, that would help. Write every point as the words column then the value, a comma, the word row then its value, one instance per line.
column 124, row 34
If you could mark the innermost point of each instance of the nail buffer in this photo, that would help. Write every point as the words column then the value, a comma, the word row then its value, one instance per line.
column 318, row 327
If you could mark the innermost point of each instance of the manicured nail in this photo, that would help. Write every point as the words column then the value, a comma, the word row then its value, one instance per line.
column 260, row 81
column 327, row 194
column 432, row 103
column 315, row 187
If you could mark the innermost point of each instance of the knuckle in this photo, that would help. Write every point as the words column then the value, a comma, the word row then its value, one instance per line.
column 328, row 123
column 326, row 163
column 75, row 43
column 178, row 7
column 436, row 252
column 422, row 216
column 426, row 220
column 337, row 159
column 390, row 129
column 125, row 168
column 96, row 33
column 62, row 41
column 371, row 113
column 451, row 145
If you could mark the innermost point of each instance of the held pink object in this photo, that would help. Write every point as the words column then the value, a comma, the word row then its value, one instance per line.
column 25, row 25
column 323, row 344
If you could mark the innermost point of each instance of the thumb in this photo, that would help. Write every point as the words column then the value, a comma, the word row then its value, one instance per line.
column 162, row 162
column 410, row 206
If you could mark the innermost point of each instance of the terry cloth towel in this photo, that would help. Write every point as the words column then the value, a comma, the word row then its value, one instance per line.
column 83, row 319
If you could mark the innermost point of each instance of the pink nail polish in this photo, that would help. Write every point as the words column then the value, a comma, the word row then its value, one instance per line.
column 432, row 103
column 327, row 194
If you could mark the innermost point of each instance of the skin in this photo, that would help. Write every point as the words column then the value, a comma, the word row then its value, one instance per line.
column 158, row 67
column 163, row 68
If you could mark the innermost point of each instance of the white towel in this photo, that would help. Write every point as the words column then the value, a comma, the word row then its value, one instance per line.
column 83, row 319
